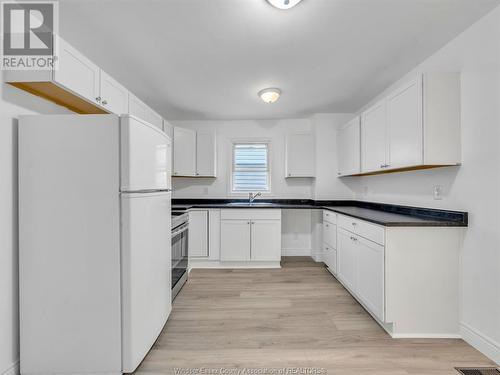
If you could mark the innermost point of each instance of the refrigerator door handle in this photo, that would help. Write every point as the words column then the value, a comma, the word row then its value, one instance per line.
column 148, row 191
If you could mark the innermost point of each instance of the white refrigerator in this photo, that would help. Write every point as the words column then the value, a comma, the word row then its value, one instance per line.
column 94, row 242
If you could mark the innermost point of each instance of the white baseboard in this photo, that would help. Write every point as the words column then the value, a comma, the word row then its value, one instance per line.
column 13, row 369
column 425, row 335
column 295, row 252
column 481, row 342
column 317, row 256
column 224, row 265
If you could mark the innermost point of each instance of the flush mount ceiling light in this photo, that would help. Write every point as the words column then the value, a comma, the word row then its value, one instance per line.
column 283, row 4
column 270, row 95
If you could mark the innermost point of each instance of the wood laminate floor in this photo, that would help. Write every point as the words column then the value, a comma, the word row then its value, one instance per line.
column 296, row 316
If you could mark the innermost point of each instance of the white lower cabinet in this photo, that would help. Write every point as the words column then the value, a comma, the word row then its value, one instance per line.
column 330, row 234
column 346, row 253
column 405, row 277
column 198, row 233
column 330, row 258
column 361, row 269
column 330, row 240
column 265, row 240
column 370, row 275
column 250, row 235
column 235, row 240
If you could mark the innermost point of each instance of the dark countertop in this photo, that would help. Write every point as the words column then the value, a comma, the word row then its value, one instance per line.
column 378, row 213
column 390, row 219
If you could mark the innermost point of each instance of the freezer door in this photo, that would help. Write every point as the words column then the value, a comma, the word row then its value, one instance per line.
column 146, row 273
column 145, row 156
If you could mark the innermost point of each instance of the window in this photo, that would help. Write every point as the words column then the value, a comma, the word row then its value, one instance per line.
column 250, row 167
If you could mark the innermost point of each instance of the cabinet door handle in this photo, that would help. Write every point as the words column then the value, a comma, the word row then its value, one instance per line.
column 353, row 223
column 248, row 222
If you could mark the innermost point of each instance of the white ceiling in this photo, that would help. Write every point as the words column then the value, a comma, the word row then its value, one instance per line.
column 207, row 59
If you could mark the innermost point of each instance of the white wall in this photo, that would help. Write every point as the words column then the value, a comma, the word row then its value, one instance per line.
column 473, row 187
column 12, row 103
column 326, row 184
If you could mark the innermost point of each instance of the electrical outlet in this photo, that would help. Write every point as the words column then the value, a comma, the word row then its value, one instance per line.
column 438, row 192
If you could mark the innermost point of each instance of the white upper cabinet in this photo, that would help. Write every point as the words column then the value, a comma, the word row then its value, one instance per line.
column 205, row 154
column 81, row 86
column 77, row 73
column 348, row 148
column 373, row 138
column 404, row 125
column 300, row 155
column 140, row 109
column 137, row 107
column 113, row 96
column 154, row 118
column 442, row 135
column 195, row 153
column 184, row 152
column 416, row 126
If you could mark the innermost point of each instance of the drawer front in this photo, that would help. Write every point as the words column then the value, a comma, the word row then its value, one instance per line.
column 250, row 213
column 330, row 258
column 329, row 216
column 330, row 234
column 363, row 228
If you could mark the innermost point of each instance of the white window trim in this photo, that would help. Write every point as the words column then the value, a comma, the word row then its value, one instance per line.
column 244, row 194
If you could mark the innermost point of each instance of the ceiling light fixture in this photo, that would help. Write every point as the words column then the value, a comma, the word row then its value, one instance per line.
column 270, row 95
column 283, row 4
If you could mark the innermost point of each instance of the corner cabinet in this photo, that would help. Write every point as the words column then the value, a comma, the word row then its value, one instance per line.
column 300, row 155
column 416, row 126
column 251, row 235
column 348, row 146
column 194, row 153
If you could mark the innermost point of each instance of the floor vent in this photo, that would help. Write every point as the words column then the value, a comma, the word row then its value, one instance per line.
column 478, row 371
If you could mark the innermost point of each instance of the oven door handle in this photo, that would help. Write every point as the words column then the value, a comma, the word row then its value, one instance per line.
column 179, row 230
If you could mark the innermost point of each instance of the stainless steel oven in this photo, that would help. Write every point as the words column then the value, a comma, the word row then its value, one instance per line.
column 180, row 230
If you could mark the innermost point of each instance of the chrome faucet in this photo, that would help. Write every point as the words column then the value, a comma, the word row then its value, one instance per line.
column 252, row 196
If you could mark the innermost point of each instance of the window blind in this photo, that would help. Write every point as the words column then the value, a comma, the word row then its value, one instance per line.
column 250, row 167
